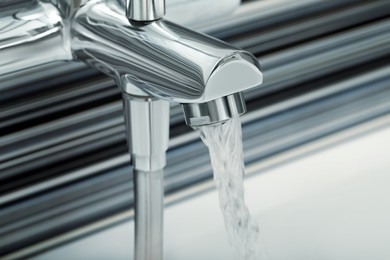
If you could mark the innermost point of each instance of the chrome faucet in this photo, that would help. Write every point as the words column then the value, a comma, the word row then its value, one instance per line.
column 152, row 60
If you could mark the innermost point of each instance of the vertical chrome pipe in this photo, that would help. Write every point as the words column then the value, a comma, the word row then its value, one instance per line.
column 149, row 192
column 147, row 125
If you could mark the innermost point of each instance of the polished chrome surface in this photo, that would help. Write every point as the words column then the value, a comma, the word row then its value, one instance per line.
column 154, row 61
column 145, row 10
column 161, row 58
column 147, row 127
column 214, row 111
column 149, row 207
column 31, row 34
column 35, row 33
column 62, row 132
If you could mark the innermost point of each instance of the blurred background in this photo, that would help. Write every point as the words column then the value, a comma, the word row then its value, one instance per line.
column 64, row 166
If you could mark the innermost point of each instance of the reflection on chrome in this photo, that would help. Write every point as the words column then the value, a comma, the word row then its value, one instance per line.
column 152, row 60
column 163, row 59
column 152, row 57
column 31, row 33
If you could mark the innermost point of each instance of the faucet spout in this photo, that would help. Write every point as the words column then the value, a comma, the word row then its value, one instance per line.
column 160, row 58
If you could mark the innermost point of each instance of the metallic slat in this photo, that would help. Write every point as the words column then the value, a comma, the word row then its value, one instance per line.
column 82, row 94
column 273, row 38
column 255, row 14
column 61, row 130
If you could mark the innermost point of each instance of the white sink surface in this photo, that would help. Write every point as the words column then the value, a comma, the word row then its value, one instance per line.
column 331, row 205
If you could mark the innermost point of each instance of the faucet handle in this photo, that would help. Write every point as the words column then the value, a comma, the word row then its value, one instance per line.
column 145, row 10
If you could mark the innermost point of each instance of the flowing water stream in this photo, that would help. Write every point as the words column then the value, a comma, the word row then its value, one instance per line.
column 225, row 146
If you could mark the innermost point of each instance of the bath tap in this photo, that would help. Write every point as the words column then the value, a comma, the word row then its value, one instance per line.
column 153, row 61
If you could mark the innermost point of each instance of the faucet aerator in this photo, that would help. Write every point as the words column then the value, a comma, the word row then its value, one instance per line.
column 214, row 111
